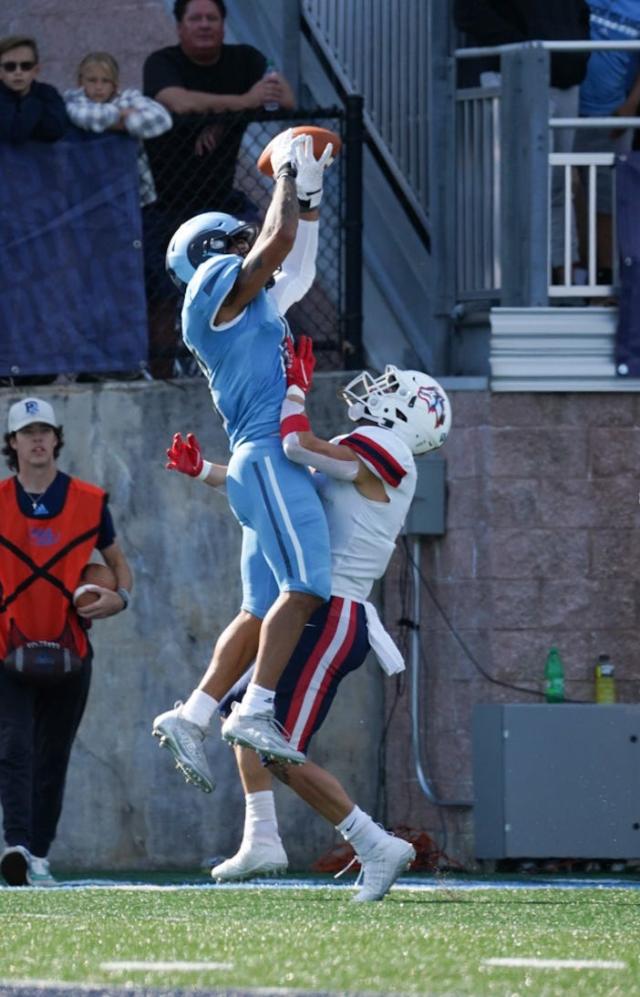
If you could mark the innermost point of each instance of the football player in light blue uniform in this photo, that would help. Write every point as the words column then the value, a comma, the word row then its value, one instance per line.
column 237, row 292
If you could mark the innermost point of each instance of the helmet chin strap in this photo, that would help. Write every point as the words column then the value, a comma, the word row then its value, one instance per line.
column 356, row 411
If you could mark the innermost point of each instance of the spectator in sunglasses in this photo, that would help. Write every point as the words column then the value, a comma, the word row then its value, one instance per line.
column 28, row 109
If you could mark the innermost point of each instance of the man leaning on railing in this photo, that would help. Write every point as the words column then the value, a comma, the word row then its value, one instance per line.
column 194, row 164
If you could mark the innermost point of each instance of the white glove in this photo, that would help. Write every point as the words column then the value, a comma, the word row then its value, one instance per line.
column 283, row 150
column 310, row 172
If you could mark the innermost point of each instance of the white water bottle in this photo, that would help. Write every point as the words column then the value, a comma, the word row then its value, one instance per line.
column 271, row 105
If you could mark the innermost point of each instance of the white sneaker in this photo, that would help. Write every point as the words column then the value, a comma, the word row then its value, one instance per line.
column 39, row 873
column 383, row 866
column 185, row 742
column 262, row 732
column 14, row 864
column 253, row 859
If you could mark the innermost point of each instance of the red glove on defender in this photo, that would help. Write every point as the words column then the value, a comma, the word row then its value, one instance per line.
column 299, row 363
column 185, row 456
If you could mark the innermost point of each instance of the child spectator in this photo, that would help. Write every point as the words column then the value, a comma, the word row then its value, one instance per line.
column 28, row 109
column 97, row 106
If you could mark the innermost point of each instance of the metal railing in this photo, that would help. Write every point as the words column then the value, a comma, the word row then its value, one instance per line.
column 492, row 178
column 381, row 51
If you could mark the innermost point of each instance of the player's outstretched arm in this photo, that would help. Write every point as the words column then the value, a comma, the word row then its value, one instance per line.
column 299, row 442
column 277, row 236
column 185, row 456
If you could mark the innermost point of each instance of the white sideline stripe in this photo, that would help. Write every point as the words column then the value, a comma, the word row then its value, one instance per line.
column 284, row 512
column 534, row 963
column 162, row 967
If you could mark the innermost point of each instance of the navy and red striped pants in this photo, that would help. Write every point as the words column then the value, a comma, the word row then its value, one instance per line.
column 334, row 642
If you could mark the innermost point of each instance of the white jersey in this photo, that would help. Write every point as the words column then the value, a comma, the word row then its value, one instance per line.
column 363, row 533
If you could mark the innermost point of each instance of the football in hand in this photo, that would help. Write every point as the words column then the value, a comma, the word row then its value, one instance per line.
column 92, row 575
column 321, row 138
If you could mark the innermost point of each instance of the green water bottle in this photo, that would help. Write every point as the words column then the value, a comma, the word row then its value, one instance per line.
column 605, row 680
column 554, row 677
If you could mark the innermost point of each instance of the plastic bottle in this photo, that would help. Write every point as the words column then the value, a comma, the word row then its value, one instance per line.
column 554, row 677
column 605, row 680
column 271, row 105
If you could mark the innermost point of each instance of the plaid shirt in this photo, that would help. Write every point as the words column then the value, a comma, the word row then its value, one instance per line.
column 149, row 118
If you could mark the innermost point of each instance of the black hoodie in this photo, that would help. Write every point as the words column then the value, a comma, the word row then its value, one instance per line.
column 504, row 22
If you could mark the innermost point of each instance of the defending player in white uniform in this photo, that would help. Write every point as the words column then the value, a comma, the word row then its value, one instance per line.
column 366, row 480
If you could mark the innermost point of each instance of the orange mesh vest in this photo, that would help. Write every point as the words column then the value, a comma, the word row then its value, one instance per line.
column 40, row 566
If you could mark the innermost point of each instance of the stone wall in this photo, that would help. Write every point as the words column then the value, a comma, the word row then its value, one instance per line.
column 125, row 805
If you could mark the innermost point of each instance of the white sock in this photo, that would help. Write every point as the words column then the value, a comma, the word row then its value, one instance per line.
column 257, row 700
column 260, row 821
column 199, row 708
column 360, row 831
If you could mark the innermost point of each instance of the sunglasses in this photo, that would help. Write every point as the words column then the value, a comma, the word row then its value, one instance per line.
column 10, row 66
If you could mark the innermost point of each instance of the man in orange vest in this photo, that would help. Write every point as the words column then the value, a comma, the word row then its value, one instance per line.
column 50, row 524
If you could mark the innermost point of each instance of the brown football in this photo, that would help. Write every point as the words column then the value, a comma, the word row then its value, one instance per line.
column 93, row 574
column 321, row 138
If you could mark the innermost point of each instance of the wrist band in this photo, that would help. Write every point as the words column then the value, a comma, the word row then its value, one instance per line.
column 125, row 596
column 294, row 424
column 204, row 472
column 287, row 170
column 311, row 201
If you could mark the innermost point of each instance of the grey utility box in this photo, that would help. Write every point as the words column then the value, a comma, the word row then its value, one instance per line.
column 557, row 781
column 426, row 515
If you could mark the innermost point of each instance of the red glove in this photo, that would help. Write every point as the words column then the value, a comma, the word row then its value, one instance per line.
column 185, row 457
column 299, row 363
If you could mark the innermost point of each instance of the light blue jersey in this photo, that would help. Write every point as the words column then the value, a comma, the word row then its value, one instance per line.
column 242, row 361
column 285, row 541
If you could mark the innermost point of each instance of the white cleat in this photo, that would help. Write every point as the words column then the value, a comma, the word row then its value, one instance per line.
column 253, row 859
column 262, row 733
column 185, row 742
column 381, row 868
column 39, row 873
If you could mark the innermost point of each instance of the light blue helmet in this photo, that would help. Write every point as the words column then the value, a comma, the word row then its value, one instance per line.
column 206, row 235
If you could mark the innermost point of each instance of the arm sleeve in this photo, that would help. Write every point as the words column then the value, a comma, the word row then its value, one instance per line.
column 292, row 410
column 52, row 120
column 299, row 268
column 148, row 117
column 89, row 114
column 106, row 533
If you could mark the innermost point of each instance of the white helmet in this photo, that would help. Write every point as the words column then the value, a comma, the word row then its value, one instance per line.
column 412, row 404
column 203, row 236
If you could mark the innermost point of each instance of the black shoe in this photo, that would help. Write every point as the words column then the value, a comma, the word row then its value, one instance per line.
column 14, row 865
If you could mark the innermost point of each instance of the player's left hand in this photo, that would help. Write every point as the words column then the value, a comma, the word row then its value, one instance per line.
column 185, row 455
column 300, row 363
column 310, row 172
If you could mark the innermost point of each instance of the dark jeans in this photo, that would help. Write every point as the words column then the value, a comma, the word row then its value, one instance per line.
column 38, row 726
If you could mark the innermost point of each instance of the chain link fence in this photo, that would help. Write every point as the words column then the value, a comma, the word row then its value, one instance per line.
column 209, row 164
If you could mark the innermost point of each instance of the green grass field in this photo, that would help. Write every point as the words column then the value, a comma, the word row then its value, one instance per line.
column 313, row 938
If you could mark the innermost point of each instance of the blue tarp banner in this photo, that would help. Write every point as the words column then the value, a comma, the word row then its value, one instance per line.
column 71, row 268
column 628, row 226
